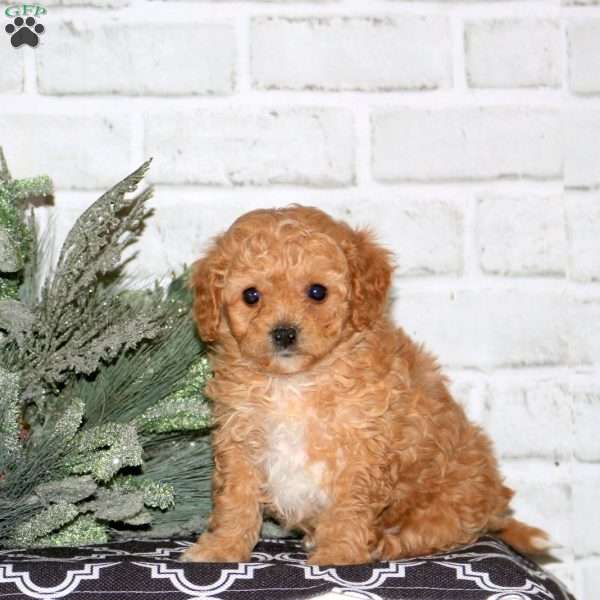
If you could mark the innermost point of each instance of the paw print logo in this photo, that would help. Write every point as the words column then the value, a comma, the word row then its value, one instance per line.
column 24, row 31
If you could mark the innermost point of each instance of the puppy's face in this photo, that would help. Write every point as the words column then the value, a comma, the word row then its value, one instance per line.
column 288, row 285
column 286, row 297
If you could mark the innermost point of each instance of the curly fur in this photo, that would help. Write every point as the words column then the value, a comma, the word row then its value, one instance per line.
column 353, row 438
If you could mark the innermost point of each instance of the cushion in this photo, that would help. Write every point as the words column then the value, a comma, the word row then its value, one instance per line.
column 149, row 569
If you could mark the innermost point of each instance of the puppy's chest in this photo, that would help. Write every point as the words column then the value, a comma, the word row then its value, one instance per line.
column 295, row 472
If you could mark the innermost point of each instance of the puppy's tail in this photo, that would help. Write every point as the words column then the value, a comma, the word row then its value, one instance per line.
column 524, row 538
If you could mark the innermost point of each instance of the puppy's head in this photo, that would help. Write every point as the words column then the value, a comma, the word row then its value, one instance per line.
column 289, row 285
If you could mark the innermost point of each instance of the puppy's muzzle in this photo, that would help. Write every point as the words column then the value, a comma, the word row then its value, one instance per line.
column 284, row 337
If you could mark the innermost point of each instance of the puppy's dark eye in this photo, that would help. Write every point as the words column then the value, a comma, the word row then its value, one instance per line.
column 251, row 295
column 317, row 292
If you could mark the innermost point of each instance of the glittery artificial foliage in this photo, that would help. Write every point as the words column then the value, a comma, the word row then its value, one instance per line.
column 9, row 414
column 103, row 425
column 181, row 410
column 15, row 236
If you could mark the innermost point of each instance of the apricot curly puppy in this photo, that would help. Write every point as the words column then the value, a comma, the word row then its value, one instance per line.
column 330, row 418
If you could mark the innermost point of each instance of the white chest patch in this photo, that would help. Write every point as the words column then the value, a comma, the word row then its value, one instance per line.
column 294, row 484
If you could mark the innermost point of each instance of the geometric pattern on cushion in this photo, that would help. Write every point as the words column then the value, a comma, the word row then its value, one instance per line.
column 150, row 570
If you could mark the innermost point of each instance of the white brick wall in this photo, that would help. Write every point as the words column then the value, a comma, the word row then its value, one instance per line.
column 487, row 327
column 11, row 75
column 340, row 53
column 584, row 56
column 259, row 146
column 466, row 133
column 582, row 146
column 495, row 52
column 583, row 215
column 466, row 143
column 162, row 59
column 49, row 142
column 522, row 235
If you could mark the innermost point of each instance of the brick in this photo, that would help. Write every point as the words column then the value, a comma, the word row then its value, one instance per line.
column 586, row 415
column 584, row 331
column 584, row 56
column 495, row 51
column 486, row 328
column 265, row 1
column 77, row 3
column 77, row 151
column 586, row 499
column 11, row 73
column 564, row 571
column 582, row 147
column 583, row 226
column 426, row 235
column 471, row 397
column 134, row 59
column 466, row 143
column 542, row 413
column 589, row 574
column 522, row 236
column 351, row 53
column 307, row 146
column 93, row 3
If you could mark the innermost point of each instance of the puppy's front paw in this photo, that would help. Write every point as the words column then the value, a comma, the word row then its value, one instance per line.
column 215, row 550
column 330, row 555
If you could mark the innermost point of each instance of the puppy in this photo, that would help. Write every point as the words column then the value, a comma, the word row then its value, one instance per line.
column 329, row 418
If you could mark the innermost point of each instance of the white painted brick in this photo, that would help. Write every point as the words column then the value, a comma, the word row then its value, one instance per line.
column 466, row 143
column 582, row 147
column 351, row 53
column 586, row 414
column 461, row 390
column 522, row 235
column 138, row 59
column 264, row 1
column 586, row 500
column 565, row 573
column 543, row 498
column 470, row 396
column 589, row 573
column 485, row 328
column 584, row 56
column 75, row 4
column 535, row 420
column 77, row 151
column 88, row 3
column 307, row 146
column 425, row 235
column 583, row 223
column 584, row 331
column 513, row 53
column 11, row 72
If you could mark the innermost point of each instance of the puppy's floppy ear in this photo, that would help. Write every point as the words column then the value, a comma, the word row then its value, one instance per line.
column 207, row 283
column 370, row 275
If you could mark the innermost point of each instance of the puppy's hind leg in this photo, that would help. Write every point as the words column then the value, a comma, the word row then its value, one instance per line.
column 422, row 532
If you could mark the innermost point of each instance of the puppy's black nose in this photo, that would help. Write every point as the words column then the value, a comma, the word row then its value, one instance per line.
column 284, row 336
